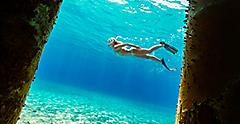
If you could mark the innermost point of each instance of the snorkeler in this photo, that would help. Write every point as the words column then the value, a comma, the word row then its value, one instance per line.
column 137, row 51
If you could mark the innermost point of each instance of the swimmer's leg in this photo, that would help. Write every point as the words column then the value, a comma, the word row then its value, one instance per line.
column 151, row 49
column 143, row 51
column 162, row 44
column 169, row 48
column 147, row 56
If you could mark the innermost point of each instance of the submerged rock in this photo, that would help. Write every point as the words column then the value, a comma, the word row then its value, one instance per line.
column 209, row 89
column 25, row 27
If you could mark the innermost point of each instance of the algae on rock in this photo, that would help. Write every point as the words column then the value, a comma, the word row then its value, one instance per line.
column 41, row 22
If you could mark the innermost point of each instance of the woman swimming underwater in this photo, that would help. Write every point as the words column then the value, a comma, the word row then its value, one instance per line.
column 137, row 51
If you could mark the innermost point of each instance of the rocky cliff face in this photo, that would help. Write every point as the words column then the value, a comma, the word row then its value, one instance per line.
column 25, row 26
column 210, row 84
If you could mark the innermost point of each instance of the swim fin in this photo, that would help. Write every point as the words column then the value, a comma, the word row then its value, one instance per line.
column 170, row 48
column 164, row 64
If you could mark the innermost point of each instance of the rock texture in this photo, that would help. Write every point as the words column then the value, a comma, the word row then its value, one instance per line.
column 210, row 85
column 25, row 26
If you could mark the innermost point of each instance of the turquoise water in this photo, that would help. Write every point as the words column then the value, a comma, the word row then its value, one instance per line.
column 49, row 102
column 81, row 80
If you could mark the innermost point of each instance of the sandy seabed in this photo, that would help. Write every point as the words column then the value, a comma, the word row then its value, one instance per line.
column 51, row 103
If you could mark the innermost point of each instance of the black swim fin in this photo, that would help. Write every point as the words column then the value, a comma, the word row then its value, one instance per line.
column 164, row 64
column 169, row 48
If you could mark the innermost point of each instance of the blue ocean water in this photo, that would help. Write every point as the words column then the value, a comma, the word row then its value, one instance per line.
column 77, row 54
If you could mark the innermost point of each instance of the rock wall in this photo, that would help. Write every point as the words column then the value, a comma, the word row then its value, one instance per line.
column 210, row 85
column 25, row 26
